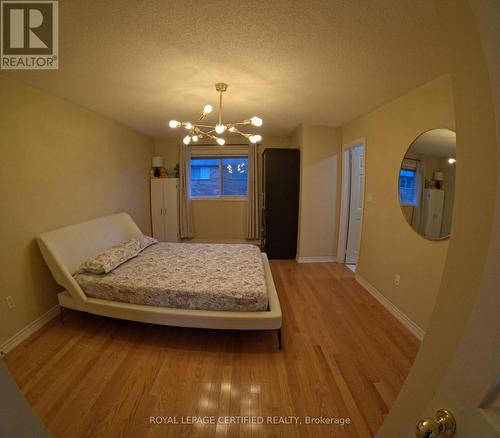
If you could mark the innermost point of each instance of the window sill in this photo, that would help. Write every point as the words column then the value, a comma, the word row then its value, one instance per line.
column 220, row 198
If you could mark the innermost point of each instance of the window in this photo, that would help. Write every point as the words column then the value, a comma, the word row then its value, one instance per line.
column 219, row 177
column 234, row 176
column 199, row 173
column 408, row 187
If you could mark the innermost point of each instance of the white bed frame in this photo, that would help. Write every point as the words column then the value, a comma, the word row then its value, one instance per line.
column 65, row 249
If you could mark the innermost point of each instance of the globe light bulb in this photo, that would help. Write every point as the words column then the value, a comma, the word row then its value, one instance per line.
column 256, row 121
column 188, row 126
column 232, row 129
column 208, row 109
column 255, row 138
column 174, row 123
column 452, row 160
column 195, row 138
column 187, row 139
column 219, row 129
column 221, row 141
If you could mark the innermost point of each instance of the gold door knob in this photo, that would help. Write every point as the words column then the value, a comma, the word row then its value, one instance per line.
column 443, row 425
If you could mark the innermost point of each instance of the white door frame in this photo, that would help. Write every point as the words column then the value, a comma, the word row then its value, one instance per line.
column 345, row 193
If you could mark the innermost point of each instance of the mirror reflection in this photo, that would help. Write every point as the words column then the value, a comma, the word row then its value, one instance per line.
column 427, row 183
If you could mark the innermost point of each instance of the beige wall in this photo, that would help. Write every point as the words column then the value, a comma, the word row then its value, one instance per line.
column 168, row 148
column 388, row 244
column 319, row 190
column 219, row 220
column 59, row 164
column 216, row 220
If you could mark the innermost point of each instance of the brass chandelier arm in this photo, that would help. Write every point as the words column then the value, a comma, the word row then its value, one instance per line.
column 220, row 107
column 201, row 133
column 228, row 125
column 210, row 133
column 237, row 131
column 244, row 122
column 196, row 125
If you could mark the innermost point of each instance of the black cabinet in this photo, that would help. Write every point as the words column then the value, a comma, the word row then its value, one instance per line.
column 280, row 202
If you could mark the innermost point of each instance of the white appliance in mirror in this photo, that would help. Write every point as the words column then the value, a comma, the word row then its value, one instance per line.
column 426, row 183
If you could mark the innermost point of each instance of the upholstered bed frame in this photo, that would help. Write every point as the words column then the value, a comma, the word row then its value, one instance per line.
column 65, row 249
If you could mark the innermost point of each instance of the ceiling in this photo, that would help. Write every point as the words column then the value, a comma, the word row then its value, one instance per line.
column 437, row 143
column 290, row 62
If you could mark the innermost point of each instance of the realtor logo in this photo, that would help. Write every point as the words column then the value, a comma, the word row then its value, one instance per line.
column 29, row 35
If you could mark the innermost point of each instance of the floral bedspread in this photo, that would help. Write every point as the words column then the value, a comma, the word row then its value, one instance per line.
column 186, row 275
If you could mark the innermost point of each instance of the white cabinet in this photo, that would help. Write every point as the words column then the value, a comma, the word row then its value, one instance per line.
column 165, row 209
column 433, row 213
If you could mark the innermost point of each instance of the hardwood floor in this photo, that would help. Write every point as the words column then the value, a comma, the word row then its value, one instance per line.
column 344, row 356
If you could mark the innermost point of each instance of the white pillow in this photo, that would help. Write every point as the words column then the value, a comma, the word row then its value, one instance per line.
column 145, row 241
column 111, row 258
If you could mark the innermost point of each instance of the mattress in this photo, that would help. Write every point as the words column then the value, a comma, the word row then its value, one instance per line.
column 186, row 276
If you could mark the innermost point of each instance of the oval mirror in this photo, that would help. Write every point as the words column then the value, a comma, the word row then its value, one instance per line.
column 427, row 183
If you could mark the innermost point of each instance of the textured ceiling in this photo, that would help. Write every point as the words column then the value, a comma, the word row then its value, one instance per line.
column 319, row 62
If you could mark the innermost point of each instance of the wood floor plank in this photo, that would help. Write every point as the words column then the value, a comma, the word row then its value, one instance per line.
column 344, row 356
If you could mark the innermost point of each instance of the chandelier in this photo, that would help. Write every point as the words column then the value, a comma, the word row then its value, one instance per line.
column 197, row 131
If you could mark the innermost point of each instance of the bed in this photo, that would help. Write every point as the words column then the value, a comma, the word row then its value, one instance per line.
column 66, row 249
column 186, row 276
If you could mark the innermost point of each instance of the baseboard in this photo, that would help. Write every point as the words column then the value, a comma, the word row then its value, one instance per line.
column 27, row 331
column 323, row 259
column 400, row 316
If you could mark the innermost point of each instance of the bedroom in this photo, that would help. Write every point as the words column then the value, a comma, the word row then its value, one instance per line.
column 77, row 144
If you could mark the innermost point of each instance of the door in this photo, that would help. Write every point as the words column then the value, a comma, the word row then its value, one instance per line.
column 171, row 209
column 433, row 213
column 471, row 386
column 157, row 208
column 18, row 419
column 357, row 183
column 458, row 365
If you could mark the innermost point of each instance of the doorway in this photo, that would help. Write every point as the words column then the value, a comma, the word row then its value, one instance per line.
column 353, row 188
